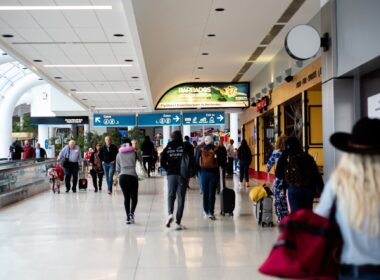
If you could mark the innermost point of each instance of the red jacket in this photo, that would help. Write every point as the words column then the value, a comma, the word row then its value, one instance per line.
column 28, row 152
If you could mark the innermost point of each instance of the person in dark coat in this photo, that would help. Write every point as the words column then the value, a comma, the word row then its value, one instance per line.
column 147, row 149
column 15, row 151
column 108, row 155
column 245, row 158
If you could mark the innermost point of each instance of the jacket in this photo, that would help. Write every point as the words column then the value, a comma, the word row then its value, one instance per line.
column 28, row 152
column 126, row 161
column 147, row 148
column 171, row 157
column 108, row 155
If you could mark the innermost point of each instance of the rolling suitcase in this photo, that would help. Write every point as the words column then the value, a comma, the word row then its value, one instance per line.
column 82, row 182
column 264, row 212
column 227, row 197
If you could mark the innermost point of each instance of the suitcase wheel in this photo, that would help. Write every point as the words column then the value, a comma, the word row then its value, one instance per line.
column 263, row 224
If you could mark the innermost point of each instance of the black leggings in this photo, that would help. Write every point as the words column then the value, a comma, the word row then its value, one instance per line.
column 130, row 186
column 149, row 161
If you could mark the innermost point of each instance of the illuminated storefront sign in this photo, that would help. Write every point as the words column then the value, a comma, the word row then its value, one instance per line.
column 205, row 95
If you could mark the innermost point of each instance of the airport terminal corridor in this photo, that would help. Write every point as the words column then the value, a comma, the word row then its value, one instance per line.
column 83, row 235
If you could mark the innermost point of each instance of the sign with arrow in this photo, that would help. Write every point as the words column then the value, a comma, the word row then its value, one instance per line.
column 159, row 119
column 114, row 120
column 206, row 118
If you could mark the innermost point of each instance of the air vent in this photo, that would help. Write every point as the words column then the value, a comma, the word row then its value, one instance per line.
column 256, row 54
column 290, row 11
column 272, row 34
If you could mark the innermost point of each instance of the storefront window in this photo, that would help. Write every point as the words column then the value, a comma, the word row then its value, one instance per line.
column 268, row 135
column 293, row 119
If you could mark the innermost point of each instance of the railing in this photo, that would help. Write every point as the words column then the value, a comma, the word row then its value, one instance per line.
column 21, row 179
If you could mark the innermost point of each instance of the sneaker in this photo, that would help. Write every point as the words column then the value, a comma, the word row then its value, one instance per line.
column 179, row 227
column 132, row 218
column 170, row 220
column 205, row 215
column 128, row 221
column 67, row 191
column 211, row 217
column 109, row 192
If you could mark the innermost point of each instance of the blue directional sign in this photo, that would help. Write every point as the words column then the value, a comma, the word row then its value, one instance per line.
column 204, row 118
column 114, row 120
column 159, row 120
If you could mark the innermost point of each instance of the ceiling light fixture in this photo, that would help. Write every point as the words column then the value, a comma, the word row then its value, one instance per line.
column 37, row 60
column 219, row 9
column 118, row 35
column 53, row 8
column 211, row 35
column 7, row 35
column 104, row 92
column 86, row 65
column 58, row 78
column 128, row 60
column 134, row 77
column 197, row 78
column 205, row 53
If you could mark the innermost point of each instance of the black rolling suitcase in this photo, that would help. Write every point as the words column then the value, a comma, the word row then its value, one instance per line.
column 227, row 197
column 82, row 182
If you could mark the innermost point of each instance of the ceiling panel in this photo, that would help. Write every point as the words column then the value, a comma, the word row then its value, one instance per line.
column 77, row 53
column 91, row 34
column 19, row 19
column 34, row 34
column 62, row 34
column 82, row 19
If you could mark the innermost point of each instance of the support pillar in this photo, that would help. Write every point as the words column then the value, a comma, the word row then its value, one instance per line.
column 234, row 127
column 43, row 135
column 166, row 135
column 7, row 107
column 186, row 130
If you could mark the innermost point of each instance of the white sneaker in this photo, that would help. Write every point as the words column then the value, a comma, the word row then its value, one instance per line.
column 132, row 218
column 170, row 220
column 180, row 227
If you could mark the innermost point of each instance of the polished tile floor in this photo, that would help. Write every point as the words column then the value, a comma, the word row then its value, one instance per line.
column 83, row 236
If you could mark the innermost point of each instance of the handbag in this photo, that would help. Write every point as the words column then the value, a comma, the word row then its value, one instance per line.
column 65, row 160
column 309, row 247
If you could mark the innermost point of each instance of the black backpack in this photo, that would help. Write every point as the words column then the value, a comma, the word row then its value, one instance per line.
column 187, row 166
column 298, row 172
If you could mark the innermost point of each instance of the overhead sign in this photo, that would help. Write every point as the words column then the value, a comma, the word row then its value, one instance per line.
column 205, row 95
column 114, row 120
column 159, row 120
column 59, row 120
column 215, row 118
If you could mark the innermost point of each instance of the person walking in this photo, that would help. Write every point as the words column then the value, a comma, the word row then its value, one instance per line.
column 188, row 147
column 354, row 187
column 86, row 161
column 108, row 155
column 222, row 161
column 73, row 154
column 280, row 203
column 128, row 180
column 207, row 161
column 245, row 158
column 230, row 158
column 96, row 171
column 40, row 152
column 170, row 160
column 28, row 151
column 15, row 151
column 300, row 174
column 147, row 149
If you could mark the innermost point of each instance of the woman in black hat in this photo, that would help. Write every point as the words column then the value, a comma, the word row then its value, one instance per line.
column 355, row 184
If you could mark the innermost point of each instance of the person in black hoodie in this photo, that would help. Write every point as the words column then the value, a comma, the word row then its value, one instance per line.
column 108, row 155
column 147, row 149
column 171, row 162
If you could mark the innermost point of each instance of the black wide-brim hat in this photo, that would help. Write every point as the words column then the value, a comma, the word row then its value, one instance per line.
column 364, row 139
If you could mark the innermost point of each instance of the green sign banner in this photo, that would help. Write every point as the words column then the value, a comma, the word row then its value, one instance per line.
column 205, row 95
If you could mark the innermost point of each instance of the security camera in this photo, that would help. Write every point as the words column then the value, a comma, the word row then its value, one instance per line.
column 289, row 78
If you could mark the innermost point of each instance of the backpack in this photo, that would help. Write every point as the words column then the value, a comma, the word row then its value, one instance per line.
column 187, row 166
column 298, row 172
column 208, row 159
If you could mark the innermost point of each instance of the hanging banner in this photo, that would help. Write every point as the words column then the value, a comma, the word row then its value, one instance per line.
column 205, row 95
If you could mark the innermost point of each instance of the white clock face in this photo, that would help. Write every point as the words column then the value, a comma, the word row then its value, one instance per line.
column 302, row 42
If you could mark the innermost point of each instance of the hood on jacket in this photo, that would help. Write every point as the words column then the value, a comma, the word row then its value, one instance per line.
column 126, row 149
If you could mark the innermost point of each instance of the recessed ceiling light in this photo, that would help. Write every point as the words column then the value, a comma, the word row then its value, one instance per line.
column 211, row 35
column 137, row 88
column 92, row 106
column 86, row 65
column 24, row 68
column 73, row 89
column 205, row 53
column 84, row 99
column 49, row 8
column 104, row 92
column 200, row 67
column 37, row 60
column 141, row 98
column 58, row 78
column 7, row 35
column 40, row 79
column 118, row 35
column 197, row 78
column 4, row 53
column 219, row 9
column 134, row 77
column 128, row 60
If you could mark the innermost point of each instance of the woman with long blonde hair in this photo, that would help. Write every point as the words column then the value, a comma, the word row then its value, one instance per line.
column 355, row 184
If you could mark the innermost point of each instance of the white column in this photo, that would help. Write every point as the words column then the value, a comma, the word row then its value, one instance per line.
column 234, row 127
column 166, row 135
column 186, row 130
column 7, row 107
column 43, row 135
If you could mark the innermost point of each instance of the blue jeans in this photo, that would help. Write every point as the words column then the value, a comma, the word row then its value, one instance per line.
column 300, row 198
column 109, row 170
column 176, row 187
column 209, row 181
